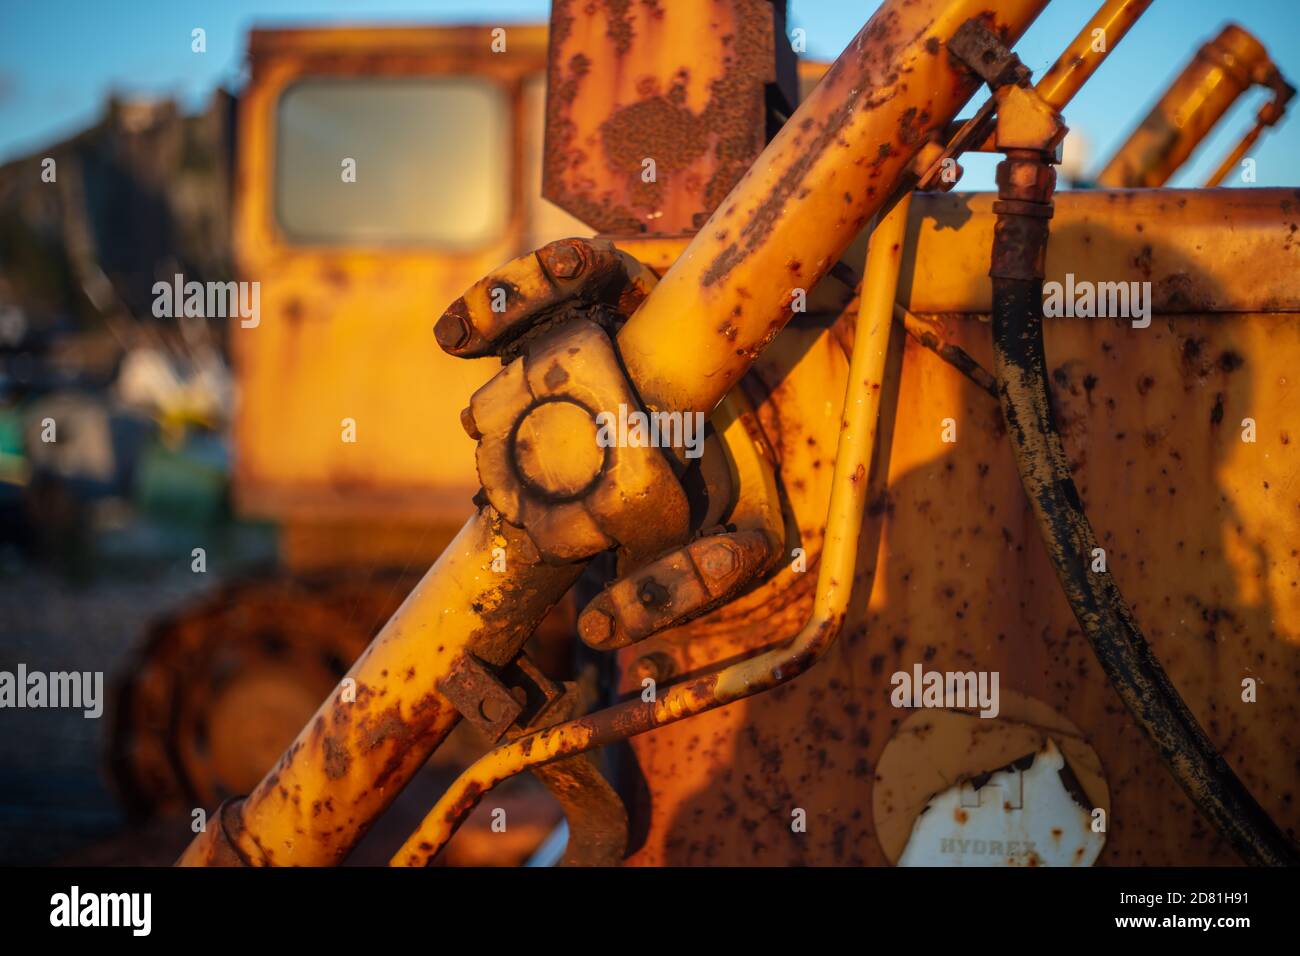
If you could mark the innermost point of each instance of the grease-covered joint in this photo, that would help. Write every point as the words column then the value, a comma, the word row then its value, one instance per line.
column 1025, row 177
column 675, row 588
column 1019, row 242
column 547, row 465
column 1025, row 186
column 499, row 312
column 836, row 573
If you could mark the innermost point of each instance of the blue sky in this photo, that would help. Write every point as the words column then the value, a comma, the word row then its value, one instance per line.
column 60, row 58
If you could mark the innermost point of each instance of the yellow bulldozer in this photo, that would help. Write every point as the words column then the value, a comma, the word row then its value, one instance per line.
column 784, row 505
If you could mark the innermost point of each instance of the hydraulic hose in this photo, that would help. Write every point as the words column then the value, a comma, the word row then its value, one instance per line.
column 1019, row 250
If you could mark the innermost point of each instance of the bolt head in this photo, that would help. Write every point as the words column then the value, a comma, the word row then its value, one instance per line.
column 453, row 329
column 657, row 666
column 653, row 594
column 719, row 560
column 493, row 709
column 562, row 259
column 596, row 627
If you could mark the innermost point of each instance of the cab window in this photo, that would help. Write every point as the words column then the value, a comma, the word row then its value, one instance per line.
column 431, row 161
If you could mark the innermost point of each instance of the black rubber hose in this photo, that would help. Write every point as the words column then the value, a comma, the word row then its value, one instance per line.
column 1107, row 622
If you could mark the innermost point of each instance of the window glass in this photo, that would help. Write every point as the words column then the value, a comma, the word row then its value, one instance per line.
column 431, row 158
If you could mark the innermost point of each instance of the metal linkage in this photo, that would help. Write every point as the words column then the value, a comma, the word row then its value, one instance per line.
column 835, row 580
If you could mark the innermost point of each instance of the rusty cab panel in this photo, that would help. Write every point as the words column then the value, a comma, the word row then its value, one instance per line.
column 380, row 171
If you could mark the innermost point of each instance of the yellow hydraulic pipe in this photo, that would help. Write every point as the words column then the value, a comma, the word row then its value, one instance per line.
column 1222, row 70
column 835, row 578
column 1087, row 51
column 823, row 177
column 386, row 717
column 1233, row 158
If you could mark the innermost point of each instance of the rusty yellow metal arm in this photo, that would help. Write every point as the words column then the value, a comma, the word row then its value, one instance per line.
column 821, row 180
column 831, row 168
column 1220, row 72
column 387, row 716
column 1080, row 59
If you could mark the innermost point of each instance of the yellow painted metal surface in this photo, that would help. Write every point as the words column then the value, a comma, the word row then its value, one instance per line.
column 819, row 182
column 1174, row 239
column 654, row 111
column 346, row 329
column 385, row 718
column 1198, row 526
column 855, row 445
column 1196, row 519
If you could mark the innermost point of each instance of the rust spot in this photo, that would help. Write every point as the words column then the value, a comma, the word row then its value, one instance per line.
column 337, row 759
column 1142, row 261
column 619, row 25
column 1230, row 361
column 556, row 376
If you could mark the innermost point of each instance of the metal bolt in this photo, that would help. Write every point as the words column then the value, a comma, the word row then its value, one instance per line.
column 453, row 329
column 719, row 559
column 657, row 666
column 467, row 422
column 653, row 594
column 563, row 260
column 493, row 709
column 596, row 627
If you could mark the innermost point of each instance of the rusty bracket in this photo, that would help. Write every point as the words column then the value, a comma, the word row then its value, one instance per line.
column 596, row 814
column 520, row 699
column 516, row 302
column 979, row 50
column 519, row 694
column 677, row 587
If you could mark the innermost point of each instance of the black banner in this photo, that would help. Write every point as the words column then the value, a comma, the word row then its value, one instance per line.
column 444, row 906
